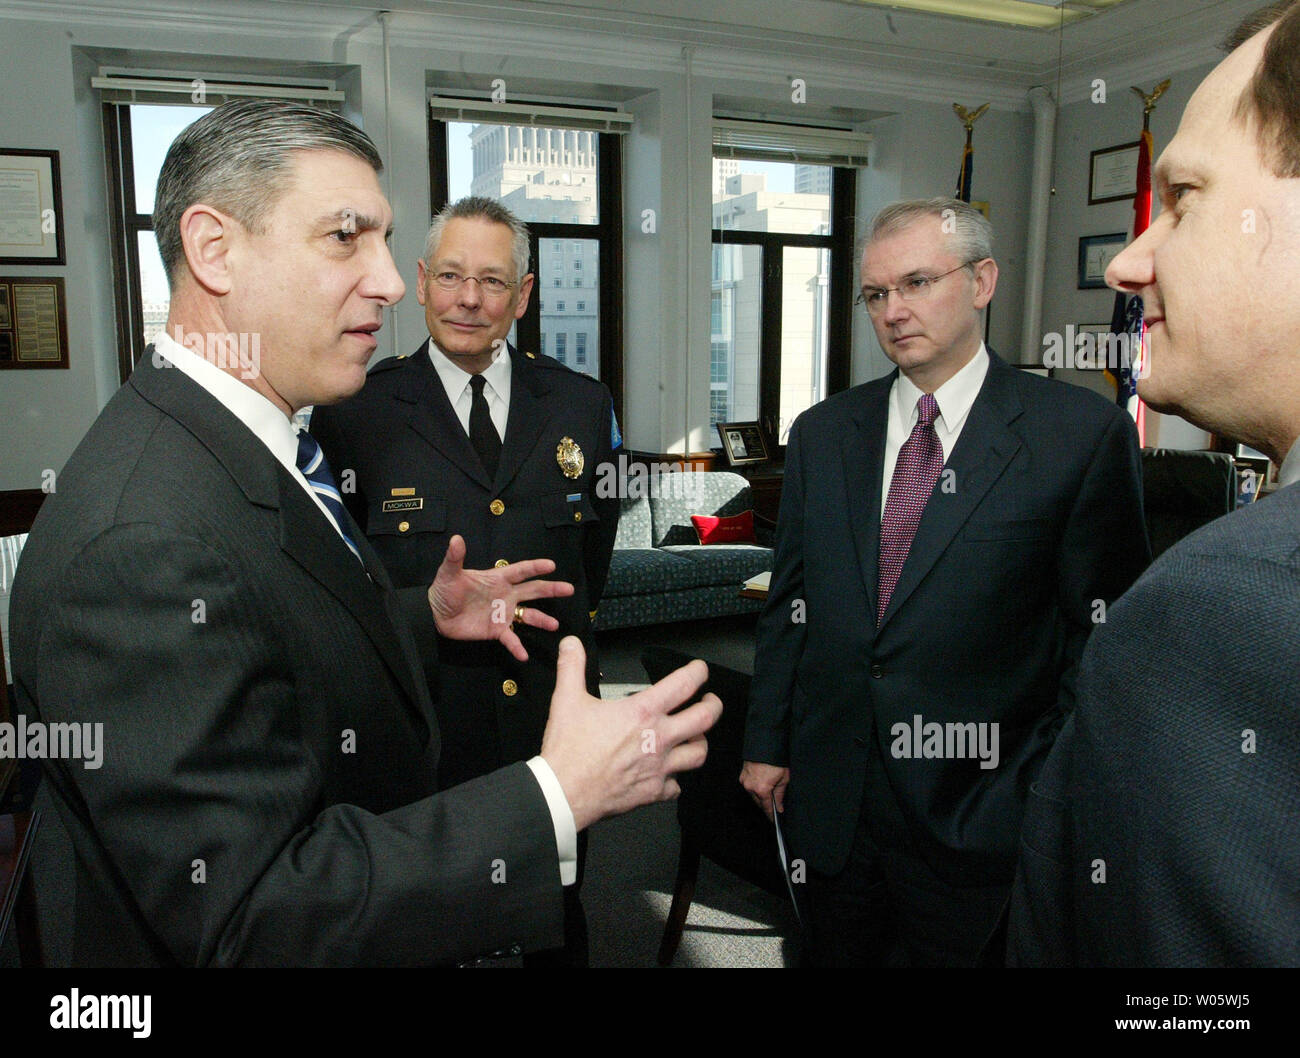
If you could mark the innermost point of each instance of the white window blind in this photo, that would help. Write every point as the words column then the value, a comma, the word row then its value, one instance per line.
column 768, row 141
column 166, row 87
column 447, row 108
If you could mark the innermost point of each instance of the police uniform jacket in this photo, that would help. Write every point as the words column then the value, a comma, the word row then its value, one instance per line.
column 411, row 479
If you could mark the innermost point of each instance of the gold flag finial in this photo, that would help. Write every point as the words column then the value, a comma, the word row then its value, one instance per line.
column 1149, row 100
column 969, row 117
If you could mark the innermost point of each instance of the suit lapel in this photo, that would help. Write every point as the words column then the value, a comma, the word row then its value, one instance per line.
column 983, row 451
column 430, row 414
column 305, row 532
column 863, row 449
column 307, row 537
column 529, row 414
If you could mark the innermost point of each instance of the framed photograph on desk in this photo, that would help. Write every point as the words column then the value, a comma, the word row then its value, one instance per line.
column 743, row 442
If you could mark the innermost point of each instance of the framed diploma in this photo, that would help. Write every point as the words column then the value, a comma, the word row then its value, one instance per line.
column 1112, row 175
column 31, row 208
column 1095, row 255
column 35, row 316
column 742, row 442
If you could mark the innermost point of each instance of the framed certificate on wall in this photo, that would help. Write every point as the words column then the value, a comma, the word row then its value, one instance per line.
column 31, row 208
column 1112, row 174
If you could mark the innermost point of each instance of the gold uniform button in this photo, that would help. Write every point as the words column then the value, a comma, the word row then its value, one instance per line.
column 497, row 507
column 577, row 516
column 510, row 688
column 502, row 562
column 403, row 527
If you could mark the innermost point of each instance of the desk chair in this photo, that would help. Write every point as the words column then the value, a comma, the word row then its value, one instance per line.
column 717, row 817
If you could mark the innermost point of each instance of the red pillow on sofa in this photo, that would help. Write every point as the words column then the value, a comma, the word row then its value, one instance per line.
column 738, row 529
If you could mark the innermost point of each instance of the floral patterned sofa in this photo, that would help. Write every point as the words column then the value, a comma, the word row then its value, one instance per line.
column 660, row 572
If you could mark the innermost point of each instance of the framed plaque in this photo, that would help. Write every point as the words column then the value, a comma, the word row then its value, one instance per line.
column 1095, row 255
column 1112, row 175
column 37, row 316
column 31, row 208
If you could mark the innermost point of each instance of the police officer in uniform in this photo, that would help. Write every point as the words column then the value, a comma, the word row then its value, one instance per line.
column 470, row 436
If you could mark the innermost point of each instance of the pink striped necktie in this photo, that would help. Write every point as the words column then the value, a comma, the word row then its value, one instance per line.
column 920, row 461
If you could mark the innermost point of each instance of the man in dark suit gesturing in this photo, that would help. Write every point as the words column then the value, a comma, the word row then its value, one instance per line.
column 1165, row 826
column 948, row 536
column 470, row 436
column 267, row 789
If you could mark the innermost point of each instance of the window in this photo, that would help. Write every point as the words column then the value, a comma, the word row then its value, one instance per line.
column 541, row 343
column 544, row 173
column 782, row 288
column 141, row 118
column 582, row 306
column 580, row 349
column 138, row 136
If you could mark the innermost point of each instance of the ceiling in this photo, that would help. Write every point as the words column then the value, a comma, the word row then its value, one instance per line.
column 1144, row 39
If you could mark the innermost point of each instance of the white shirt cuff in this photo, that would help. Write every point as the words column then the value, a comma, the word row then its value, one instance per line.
column 566, row 830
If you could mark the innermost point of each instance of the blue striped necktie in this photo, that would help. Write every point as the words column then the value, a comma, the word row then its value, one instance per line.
column 311, row 461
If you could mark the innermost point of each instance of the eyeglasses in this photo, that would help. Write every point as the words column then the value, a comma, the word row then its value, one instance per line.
column 915, row 289
column 489, row 286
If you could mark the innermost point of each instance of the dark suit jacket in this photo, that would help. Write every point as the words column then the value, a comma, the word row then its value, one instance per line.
column 401, row 433
column 1164, row 829
column 269, row 748
column 1040, row 516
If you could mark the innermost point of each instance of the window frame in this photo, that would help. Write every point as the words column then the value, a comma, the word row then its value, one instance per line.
column 607, row 234
column 126, row 223
column 839, row 352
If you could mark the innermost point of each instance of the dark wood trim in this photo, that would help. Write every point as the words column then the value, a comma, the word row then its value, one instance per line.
column 125, row 225
column 439, row 185
column 770, row 238
column 112, row 117
column 18, row 509
column 843, row 279
column 609, row 198
column 769, row 359
column 529, row 328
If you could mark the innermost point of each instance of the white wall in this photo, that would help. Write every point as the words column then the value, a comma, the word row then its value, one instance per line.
column 1083, row 127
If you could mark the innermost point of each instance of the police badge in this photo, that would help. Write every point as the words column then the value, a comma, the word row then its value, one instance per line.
column 569, row 456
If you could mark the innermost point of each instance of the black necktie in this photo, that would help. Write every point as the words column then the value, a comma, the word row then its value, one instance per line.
column 482, row 434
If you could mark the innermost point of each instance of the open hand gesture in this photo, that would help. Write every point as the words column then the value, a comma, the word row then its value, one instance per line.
column 487, row 603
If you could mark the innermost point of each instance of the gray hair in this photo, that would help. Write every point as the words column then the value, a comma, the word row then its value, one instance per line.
column 476, row 206
column 238, row 159
column 971, row 237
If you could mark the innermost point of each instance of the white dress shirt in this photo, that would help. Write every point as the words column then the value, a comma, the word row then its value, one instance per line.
column 455, row 379
column 954, row 398
column 272, row 427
